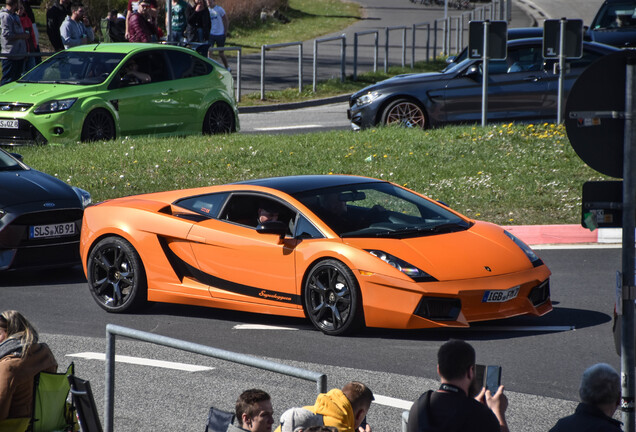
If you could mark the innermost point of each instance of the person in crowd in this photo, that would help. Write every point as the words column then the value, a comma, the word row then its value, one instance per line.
column 116, row 26
column 178, row 21
column 76, row 29
column 13, row 39
column 454, row 406
column 152, row 13
column 140, row 26
column 345, row 409
column 600, row 394
column 22, row 357
column 219, row 26
column 55, row 16
column 298, row 420
column 198, row 19
column 32, row 41
column 254, row 412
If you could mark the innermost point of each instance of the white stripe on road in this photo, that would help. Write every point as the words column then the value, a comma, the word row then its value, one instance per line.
column 392, row 402
column 260, row 327
column 143, row 362
column 288, row 127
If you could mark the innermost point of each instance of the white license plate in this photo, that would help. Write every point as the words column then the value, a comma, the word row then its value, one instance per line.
column 8, row 124
column 500, row 296
column 54, row 230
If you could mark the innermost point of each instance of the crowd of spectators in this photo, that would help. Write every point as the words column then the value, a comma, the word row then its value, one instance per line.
column 67, row 25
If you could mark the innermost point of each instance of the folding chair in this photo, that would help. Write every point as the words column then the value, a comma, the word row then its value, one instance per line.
column 51, row 412
column 219, row 420
column 85, row 404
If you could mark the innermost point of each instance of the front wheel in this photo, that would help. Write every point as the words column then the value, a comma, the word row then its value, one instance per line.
column 98, row 126
column 404, row 113
column 219, row 119
column 116, row 275
column 332, row 298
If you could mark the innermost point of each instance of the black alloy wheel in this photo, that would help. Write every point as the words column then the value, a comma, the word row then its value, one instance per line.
column 404, row 113
column 332, row 298
column 98, row 126
column 116, row 276
column 219, row 119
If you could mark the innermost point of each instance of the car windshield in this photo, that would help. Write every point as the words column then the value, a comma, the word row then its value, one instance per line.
column 7, row 163
column 68, row 67
column 379, row 210
column 615, row 15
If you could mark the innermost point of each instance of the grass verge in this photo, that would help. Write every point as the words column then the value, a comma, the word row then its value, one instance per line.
column 508, row 174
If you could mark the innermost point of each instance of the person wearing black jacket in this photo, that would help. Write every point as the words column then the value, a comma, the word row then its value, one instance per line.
column 55, row 16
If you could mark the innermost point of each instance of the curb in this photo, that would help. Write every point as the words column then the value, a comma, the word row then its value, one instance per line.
column 564, row 234
column 293, row 105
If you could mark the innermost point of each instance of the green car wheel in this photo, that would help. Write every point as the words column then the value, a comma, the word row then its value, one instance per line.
column 219, row 119
column 98, row 126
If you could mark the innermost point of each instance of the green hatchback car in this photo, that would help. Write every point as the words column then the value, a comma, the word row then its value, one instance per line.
column 104, row 91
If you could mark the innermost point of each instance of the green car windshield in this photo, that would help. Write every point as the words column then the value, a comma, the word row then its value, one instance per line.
column 67, row 67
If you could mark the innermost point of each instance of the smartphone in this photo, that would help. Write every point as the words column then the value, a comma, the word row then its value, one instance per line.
column 487, row 376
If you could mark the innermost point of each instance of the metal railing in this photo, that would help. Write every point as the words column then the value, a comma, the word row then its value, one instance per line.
column 239, row 51
column 428, row 41
column 387, row 31
column 113, row 330
column 356, row 36
column 343, row 57
column 265, row 48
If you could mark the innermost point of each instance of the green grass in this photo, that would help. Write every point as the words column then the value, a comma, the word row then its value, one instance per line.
column 507, row 174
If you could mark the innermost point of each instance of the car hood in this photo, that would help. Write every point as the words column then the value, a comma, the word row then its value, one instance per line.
column 621, row 38
column 481, row 251
column 34, row 93
column 31, row 186
column 402, row 80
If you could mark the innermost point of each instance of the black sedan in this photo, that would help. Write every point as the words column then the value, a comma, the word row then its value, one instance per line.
column 40, row 217
column 523, row 87
column 615, row 24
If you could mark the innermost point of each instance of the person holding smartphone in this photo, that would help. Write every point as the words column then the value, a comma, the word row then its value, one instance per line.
column 458, row 405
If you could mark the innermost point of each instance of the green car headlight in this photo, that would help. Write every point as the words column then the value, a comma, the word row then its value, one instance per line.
column 367, row 98
column 55, row 106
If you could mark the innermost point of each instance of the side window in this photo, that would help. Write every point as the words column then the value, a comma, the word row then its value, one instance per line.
column 305, row 229
column 524, row 60
column 250, row 210
column 185, row 65
column 145, row 68
column 588, row 58
column 206, row 205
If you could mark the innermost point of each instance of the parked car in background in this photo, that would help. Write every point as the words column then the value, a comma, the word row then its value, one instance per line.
column 523, row 87
column 343, row 251
column 40, row 217
column 103, row 91
column 615, row 24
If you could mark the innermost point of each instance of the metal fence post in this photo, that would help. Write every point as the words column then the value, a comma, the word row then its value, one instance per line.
column 300, row 68
column 343, row 57
column 281, row 45
column 386, row 49
column 262, row 72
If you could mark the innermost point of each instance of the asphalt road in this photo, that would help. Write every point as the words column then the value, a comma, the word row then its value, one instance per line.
column 541, row 365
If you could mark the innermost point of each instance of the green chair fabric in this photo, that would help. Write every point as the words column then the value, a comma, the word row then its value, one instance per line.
column 51, row 412
column 20, row 424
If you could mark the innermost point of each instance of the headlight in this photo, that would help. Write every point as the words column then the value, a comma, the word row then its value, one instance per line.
column 406, row 268
column 534, row 259
column 366, row 99
column 84, row 196
column 55, row 106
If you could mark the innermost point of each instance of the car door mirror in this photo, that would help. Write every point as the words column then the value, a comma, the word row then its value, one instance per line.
column 272, row 227
column 473, row 72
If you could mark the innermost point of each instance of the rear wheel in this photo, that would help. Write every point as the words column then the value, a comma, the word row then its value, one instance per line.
column 98, row 126
column 404, row 113
column 116, row 275
column 219, row 119
column 332, row 298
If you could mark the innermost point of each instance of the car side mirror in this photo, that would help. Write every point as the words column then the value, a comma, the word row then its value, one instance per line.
column 272, row 227
column 473, row 71
column 18, row 156
column 450, row 59
column 129, row 79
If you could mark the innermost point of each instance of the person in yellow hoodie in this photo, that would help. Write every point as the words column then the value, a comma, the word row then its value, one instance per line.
column 345, row 409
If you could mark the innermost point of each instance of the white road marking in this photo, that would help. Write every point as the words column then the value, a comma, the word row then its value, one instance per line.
column 525, row 328
column 288, row 127
column 143, row 362
column 260, row 327
column 392, row 402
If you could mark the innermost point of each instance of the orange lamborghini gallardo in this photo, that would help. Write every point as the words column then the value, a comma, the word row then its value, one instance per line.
column 343, row 251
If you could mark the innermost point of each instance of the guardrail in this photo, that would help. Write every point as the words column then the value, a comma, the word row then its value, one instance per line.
column 264, row 48
column 356, row 36
column 428, row 41
column 343, row 58
column 387, row 31
column 113, row 330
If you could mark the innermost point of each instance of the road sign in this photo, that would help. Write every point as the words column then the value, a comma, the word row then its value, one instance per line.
column 602, row 204
column 573, row 38
column 497, row 39
column 595, row 114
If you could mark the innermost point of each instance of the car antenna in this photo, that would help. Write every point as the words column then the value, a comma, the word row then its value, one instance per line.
column 98, row 42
